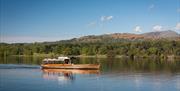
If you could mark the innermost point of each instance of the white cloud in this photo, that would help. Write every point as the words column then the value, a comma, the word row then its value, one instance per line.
column 106, row 18
column 92, row 24
column 109, row 17
column 157, row 28
column 100, row 22
column 177, row 26
column 151, row 6
column 137, row 29
column 102, row 18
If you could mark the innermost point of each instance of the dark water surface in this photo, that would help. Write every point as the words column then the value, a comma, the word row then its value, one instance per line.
column 24, row 73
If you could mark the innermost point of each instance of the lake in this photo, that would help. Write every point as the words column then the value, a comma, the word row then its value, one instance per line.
column 117, row 74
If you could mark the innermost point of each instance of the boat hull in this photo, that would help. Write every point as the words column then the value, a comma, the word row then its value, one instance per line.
column 70, row 66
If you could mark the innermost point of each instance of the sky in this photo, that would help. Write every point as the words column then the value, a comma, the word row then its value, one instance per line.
column 26, row 21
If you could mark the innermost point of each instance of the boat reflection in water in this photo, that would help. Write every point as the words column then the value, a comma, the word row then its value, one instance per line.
column 65, row 75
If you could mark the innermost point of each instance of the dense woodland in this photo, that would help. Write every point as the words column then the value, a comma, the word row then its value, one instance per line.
column 161, row 48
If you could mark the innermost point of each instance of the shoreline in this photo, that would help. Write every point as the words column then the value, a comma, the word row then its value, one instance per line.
column 99, row 56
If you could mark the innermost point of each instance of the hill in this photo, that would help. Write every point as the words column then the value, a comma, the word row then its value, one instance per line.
column 115, row 37
column 161, row 34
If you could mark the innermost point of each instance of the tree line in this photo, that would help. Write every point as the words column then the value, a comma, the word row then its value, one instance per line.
column 125, row 48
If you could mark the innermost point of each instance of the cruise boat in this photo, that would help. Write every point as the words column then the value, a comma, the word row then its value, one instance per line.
column 66, row 63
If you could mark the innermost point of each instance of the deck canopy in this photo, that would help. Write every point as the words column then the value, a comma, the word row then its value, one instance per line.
column 63, row 58
column 49, row 59
column 54, row 59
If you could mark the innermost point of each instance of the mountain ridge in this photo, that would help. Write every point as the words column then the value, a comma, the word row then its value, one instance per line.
column 168, row 34
column 119, row 37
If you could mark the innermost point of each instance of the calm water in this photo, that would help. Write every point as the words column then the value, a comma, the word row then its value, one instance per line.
column 24, row 73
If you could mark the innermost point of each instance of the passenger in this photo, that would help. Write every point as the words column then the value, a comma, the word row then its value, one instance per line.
column 66, row 61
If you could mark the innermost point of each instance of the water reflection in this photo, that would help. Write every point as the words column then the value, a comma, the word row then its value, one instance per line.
column 21, row 60
column 113, row 65
column 65, row 75
column 140, row 65
column 178, row 83
column 114, row 75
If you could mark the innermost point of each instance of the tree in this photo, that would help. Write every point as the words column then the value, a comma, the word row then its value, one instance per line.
column 102, row 50
column 152, row 50
column 67, row 51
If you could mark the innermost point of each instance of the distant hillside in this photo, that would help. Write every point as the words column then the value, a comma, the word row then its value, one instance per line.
column 119, row 37
column 109, row 37
column 161, row 34
column 115, row 37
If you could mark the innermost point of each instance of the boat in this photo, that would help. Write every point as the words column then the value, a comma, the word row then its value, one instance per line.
column 66, row 63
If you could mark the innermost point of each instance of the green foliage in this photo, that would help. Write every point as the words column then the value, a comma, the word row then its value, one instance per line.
column 146, row 48
column 152, row 50
column 111, row 53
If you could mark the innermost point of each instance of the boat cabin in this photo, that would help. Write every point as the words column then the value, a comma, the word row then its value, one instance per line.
column 59, row 60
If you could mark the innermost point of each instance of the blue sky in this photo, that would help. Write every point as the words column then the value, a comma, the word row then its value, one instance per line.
column 51, row 20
